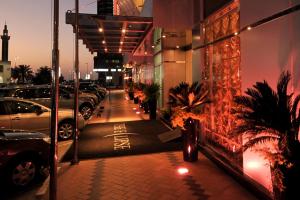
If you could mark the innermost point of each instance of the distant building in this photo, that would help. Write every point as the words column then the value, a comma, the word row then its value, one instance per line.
column 5, row 65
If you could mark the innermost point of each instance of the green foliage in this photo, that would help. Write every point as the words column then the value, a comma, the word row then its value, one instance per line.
column 185, row 101
column 151, row 91
column 23, row 73
column 43, row 76
column 266, row 115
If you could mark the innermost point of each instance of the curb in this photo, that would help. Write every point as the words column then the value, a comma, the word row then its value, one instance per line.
column 42, row 191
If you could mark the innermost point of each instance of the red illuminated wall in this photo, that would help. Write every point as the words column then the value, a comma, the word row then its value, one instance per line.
column 270, row 48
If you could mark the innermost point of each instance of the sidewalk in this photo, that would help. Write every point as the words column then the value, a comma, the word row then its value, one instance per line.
column 151, row 176
column 143, row 177
column 117, row 108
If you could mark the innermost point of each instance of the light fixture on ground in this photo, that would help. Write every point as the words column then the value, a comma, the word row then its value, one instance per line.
column 182, row 170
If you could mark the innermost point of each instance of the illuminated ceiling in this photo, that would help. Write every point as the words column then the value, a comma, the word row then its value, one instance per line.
column 111, row 34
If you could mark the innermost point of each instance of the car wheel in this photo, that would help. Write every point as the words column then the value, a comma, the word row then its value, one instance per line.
column 86, row 111
column 23, row 172
column 65, row 130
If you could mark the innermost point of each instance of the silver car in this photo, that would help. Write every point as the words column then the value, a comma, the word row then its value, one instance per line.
column 28, row 115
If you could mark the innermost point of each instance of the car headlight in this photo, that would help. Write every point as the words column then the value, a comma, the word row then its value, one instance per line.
column 47, row 140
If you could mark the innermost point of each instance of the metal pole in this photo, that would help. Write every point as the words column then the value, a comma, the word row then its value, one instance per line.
column 76, row 86
column 54, row 104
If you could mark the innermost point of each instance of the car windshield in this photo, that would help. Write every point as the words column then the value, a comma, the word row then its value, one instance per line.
column 4, row 92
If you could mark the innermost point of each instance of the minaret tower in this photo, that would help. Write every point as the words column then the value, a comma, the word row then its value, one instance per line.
column 5, row 38
column 5, row 65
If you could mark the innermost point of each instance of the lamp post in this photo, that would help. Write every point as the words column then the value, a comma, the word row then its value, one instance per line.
column 54, row 104
column 76, row 86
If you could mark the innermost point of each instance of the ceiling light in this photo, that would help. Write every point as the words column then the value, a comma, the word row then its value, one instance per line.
column 177, row 47
column 105, row 49
column 153, row 46
column 249, row 28
column 121, row 42
column 103, row 41
column 123, row 30
column 236, row 33
column 120, row 49
column 146, row 53
column 101, row 30
column 164, row 36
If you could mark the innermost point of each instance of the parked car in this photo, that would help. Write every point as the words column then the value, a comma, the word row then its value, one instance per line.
column 42, row 94
column 92, row 88
column 24, row 157
column 28, row 115
column 84, row 95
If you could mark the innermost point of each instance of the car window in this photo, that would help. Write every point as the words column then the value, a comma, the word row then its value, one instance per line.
column 4, row 93
column 20, row 93
column 21, row 107
column 2, row 108
column 43, row 93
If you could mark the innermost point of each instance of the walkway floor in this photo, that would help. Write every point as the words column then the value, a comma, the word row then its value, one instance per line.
column 149, row 176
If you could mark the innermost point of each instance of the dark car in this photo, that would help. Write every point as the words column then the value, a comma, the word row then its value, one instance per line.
column 24, row 157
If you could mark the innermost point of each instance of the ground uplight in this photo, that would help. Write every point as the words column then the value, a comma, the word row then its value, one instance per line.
column 182, row 170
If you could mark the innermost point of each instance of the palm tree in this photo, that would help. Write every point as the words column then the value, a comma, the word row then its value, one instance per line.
column 23, row 73
column 267, row 116
column 151, row 92
column 43, row 76
column 185, row 101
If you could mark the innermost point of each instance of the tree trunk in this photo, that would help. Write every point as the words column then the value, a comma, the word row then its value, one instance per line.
column 190, row 141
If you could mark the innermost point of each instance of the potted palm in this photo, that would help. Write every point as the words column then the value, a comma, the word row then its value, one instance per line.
column 130, row 90
column 186, row 101
column 151, row 92
column 265, row 116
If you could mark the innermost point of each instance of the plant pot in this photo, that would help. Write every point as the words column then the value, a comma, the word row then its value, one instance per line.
column 145, row 106
column 136, row 100
column 152, row 108
column 131, row 95
column 190, row 141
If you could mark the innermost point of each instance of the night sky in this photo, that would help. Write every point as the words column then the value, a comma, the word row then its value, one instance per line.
column 29, row 25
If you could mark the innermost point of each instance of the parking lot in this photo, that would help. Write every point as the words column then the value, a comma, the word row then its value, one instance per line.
column 25, row 128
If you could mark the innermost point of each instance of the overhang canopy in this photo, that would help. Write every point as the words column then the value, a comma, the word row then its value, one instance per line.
column 111, row 34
